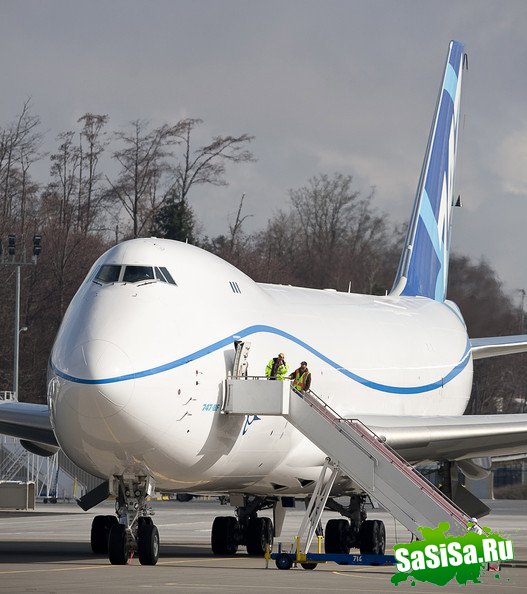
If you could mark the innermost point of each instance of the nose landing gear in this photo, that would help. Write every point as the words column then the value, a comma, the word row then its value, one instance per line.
column 133, row 530
column 147, row 542
column 100, row 532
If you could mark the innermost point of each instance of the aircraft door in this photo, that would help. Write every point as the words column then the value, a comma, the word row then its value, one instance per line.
column 241, row 362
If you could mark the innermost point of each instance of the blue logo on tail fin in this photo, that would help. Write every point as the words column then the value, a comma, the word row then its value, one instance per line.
column 423, row 269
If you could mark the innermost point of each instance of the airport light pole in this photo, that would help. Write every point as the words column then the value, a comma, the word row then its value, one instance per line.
column 16, row 355
column 37, row 248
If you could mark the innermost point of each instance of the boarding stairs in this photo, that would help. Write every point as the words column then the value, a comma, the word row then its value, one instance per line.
column 17, row 464
column 353, row 450
column 11, row 460
column 8, row 396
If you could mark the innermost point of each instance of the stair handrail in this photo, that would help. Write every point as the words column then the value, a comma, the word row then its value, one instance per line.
column 322, row 407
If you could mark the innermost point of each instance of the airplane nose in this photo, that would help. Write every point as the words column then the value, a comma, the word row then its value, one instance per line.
column 96, row 378
column 89, row 389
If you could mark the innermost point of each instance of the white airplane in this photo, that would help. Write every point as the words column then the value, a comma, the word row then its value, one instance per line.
column 137, row 374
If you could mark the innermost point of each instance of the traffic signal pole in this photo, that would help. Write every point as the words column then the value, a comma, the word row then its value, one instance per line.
column 37, row 249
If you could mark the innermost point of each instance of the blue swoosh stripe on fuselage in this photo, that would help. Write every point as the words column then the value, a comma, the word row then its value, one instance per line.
column 270, row 329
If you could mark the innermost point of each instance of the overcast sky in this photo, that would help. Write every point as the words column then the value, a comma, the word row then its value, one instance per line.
column 324, row 86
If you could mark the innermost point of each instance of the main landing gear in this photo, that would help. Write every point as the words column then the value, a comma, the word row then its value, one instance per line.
column 354, row 530
column 132, row 530
column 229, row 532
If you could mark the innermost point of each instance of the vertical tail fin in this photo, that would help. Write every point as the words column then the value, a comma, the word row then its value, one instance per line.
column 423, row 269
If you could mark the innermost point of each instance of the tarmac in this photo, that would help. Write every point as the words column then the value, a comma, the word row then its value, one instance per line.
column 48, row 550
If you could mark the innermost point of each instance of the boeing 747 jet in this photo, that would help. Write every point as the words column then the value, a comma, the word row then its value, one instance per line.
column 138, row 370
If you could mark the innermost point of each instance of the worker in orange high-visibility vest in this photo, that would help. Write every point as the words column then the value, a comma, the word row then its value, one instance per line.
column 301, row 378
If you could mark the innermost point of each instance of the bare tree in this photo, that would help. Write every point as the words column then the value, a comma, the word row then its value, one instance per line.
column 195, row 166
column 236, row 247
column 337, row 235
column 206, row 164
column 19, row 146
column 89, row 194
column 501, row 382
column 235, row 229
column 142, row 164
column 65, row 164
column 28, row 198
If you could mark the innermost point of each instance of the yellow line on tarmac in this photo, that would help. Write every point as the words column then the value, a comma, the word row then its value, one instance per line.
column 52, row 570
column 75, row 568
column 201, row 559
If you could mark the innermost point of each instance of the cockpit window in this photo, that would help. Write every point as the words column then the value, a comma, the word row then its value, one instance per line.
column 108, row 273
column 163, row 275
column 113, row 273
column 134, row 274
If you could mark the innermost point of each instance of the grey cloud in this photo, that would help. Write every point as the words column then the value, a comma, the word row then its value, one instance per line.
column 324, row 86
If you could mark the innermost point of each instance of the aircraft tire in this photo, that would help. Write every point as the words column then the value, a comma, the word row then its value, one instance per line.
column 336, row 537
column 259, row 534
column 148, row 543
column 223, row 537
column 372, row 537
column 100, row 531
column 143, row 521
column 118, row 547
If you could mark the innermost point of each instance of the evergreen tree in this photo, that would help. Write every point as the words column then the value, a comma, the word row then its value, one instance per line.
column 175, row 220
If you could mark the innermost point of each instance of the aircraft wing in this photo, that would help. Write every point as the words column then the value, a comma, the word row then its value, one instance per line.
column 496, row 346
column 452, row 438
column 28, row 422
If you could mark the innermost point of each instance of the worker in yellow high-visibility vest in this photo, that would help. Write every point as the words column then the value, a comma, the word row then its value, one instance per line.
column 276, row 368
column 301, row 378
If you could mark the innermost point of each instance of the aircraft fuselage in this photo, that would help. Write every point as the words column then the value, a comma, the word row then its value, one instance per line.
column 137, row 370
